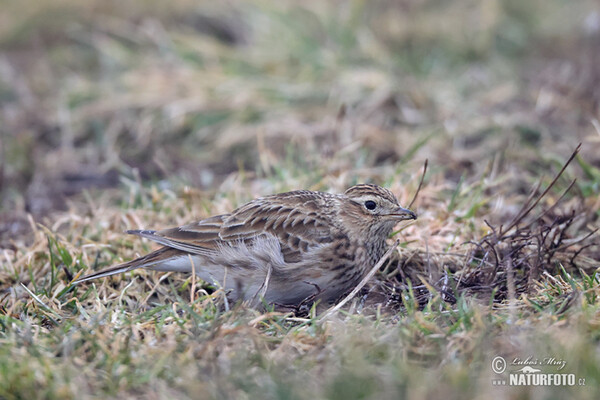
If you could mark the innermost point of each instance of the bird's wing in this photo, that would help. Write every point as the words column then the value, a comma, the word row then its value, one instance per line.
column 297, row 219
column 197, row 238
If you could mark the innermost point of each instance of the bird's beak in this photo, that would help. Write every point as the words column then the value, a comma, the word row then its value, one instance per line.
column 402, row 214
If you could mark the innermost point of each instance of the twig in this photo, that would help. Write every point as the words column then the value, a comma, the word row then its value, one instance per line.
column 225, row 300
column 420, row 183
column 265, row 286
column 362, row 283
column 576, row 241
column 193, row 288
column 510, row 284
column 268, row 315
column 557, row 202
column 524, row 211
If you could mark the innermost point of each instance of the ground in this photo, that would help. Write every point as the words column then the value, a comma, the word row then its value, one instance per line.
column 148, row 114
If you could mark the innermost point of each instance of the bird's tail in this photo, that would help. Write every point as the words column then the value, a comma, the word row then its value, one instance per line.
column 148, row 260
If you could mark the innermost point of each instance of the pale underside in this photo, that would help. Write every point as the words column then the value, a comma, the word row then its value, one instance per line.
column 257, row 272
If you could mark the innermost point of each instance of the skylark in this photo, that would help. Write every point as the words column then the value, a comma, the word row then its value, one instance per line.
column 281, row 249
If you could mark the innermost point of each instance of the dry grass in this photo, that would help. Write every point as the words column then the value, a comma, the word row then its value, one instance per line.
column 117, row 116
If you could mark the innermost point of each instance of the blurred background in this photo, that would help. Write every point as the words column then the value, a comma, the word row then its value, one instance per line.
column 262, row 97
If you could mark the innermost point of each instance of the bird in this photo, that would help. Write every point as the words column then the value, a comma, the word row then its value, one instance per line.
column 280, row 249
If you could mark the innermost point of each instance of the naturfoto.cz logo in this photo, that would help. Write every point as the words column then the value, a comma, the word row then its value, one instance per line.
column 528, row 372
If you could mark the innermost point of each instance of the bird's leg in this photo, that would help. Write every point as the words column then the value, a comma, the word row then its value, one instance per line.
column 302, row 307
column 319, row 290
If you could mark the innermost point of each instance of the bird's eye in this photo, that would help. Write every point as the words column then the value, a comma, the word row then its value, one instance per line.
column 370, row 204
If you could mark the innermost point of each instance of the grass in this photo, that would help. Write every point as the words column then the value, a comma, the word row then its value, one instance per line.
column 123, row 116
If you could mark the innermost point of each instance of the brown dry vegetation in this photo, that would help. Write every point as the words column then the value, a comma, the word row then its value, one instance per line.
column 125, row 115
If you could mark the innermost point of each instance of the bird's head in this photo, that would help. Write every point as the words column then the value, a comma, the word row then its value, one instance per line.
column 374, row 208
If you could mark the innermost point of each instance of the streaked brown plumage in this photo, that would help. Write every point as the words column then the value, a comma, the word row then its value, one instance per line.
column 285, row 247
